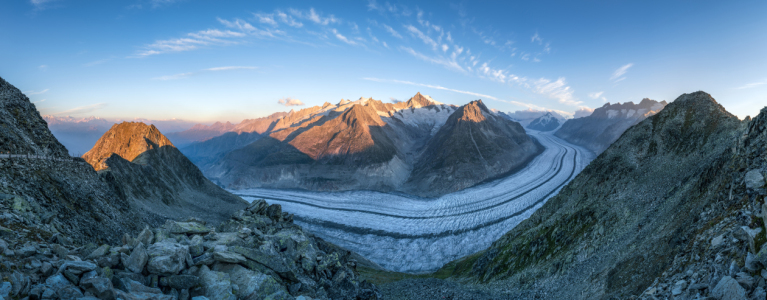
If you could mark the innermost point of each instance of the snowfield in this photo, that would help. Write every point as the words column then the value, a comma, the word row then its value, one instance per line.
column 409, row 234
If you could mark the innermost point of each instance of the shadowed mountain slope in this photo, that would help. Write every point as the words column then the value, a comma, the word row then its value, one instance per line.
column 143, row 166
column 546, row 122
column 606, row 124
column 621, row 222
column 472, row 146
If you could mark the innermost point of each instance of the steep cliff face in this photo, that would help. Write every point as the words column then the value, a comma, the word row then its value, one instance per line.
column 620, row 223
column 472, row 146
column 606, row 124
column 22, row 129
column 144, row 167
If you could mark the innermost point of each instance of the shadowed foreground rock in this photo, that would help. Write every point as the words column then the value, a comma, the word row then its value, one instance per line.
column 258, row 254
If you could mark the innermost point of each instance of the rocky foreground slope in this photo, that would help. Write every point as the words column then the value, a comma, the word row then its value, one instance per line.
column 673, row 208
column 257, row 254
column 421, row 147
column 607, row 123
column 143, row 167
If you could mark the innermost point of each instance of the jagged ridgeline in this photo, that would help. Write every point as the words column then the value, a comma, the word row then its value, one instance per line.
column 420, row 146
column 624, row 219
column 61, row 193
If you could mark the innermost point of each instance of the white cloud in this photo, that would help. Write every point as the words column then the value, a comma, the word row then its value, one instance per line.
column 752, row 85
column 617, row 75
column 284, row 18
column 445, row 47
column 215, row 69
column 393, row 32
column 556, row 90
column 583, row 112
column 230, row 68
column 313, row 16
column 290, row 102
column 343, row 38
column 536, row 38
column 430, row 86
column 597, row 95
column 82, row 109
column 441, row 61
column 265, row 18
column 42, row 4
column 425, row 38
column 36, row 93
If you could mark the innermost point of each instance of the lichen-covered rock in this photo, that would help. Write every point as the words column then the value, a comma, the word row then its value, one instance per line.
column 728, row 289
column 217, row 285
column 137, row 259
column 166, row 258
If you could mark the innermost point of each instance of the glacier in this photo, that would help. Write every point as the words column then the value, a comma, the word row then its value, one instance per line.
column 405, row 233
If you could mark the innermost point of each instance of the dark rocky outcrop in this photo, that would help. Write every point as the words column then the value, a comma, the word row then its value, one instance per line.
column 643, row 204
column 257, row 254
column 144, row 168
column 607, row 123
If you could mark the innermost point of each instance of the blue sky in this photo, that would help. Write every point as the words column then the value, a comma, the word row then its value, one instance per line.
column 230, row 60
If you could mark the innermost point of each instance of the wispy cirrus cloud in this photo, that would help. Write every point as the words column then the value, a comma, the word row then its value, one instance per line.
column 451, row 64
column 343, row 38
column 597, row 95
column 430, row 86
column 36, row 92
column 315, row 17
column 42, row 4
column 423, row 37
column 216, row 69
column 752, row 85
column 290, row 102
column 618, row 74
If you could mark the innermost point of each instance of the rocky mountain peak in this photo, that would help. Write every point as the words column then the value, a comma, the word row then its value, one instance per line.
column 474, row 111
column 362, row 115
column 128, row 140
column 419, row 101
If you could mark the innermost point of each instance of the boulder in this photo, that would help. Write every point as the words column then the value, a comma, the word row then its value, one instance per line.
column 265, row 255
column 146, row 236
column 253, row 284
column 167, row 258
column 274, row 212
column 78, row 267
column 216, row 285
column 180, row 282
column 62, row 287
column 99, row 252
column 137, row 259
column 99, row 287
column 187, row 228
column 132, row 287
column 754, row 179
column 728, row 289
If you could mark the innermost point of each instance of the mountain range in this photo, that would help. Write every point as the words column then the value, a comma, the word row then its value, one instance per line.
column 606, row 124
column 419, row 146
column 547, row 122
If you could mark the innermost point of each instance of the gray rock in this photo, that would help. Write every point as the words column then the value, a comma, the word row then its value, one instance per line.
column 728, row 289
column 716, row 241
column 182, row 282
column 759, row 293
column 253, row 285
column 99, row 287
column 3, row 246
column 78, row 267
column 62, row 287
column 142, row 296
column 228, row 257
column 205, row 259
column 216, row 285
column 146, row 236
column 752, row 264
column 99, row 252
column 20, row 284
column 265, row 255
column 698, row 286
column 200, row 298
column 5, row 289
column 131, row 286
column 26, row 251
column 137, row 259
column 59, row 250
column 754, row 179
column 274, row 212
column 745, row 280
column 167, row 258
column 187, row 228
